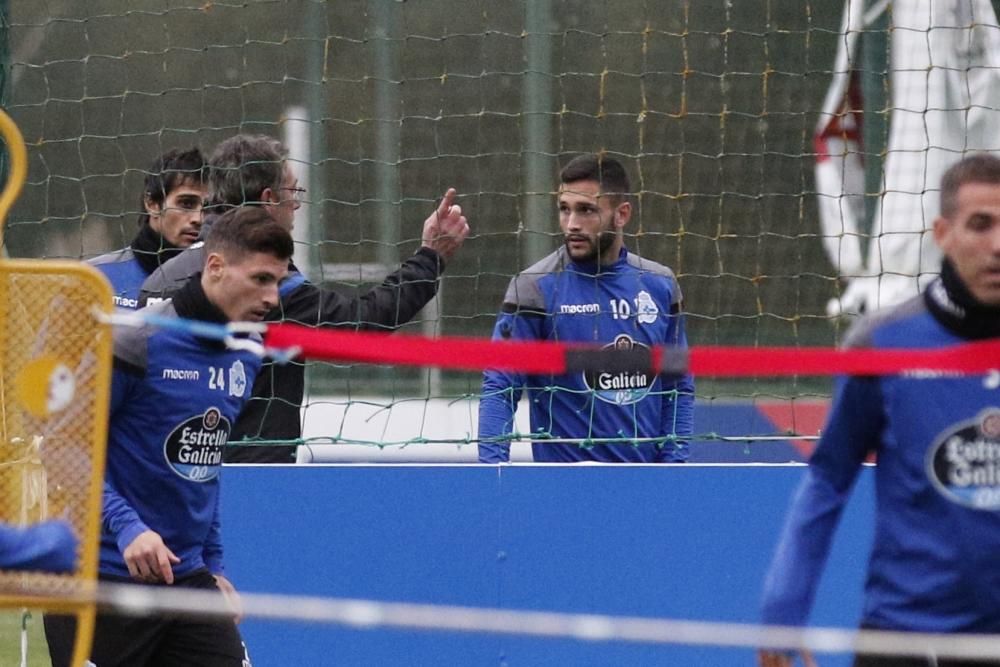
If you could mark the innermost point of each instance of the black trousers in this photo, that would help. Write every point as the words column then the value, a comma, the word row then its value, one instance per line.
column 880, row 661
column 153, row 641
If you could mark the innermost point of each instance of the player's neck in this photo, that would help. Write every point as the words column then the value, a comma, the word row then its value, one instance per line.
column 954, row 306
column 612, row 254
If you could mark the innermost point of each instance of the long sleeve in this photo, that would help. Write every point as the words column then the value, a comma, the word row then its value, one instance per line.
column 502, row 390
column 48, row 546
column 394, row 302
column 212, row 553
column 497, row 406
column 677, row 418
column 851, row 433
column 120, row 520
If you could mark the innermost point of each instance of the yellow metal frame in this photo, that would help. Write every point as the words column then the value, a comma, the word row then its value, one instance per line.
column 82, row 604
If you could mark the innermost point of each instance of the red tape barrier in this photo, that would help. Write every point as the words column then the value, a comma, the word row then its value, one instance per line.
column 476, row 354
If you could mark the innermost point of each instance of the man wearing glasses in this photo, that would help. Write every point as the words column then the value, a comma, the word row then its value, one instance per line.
column 254, row 170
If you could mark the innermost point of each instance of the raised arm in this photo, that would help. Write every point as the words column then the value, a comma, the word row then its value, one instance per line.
column 403, row 293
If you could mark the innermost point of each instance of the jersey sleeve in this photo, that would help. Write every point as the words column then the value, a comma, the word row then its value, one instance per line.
column 502, row 390
column 394, row 302
column 212, row 553
column 677, row 417
column 119, row 519
column 852, row 431
column 49, row 546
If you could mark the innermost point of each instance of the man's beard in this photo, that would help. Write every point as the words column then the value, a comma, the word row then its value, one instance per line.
column 605, row 240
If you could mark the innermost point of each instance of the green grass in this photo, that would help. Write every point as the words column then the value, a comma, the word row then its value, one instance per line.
column 10, row 640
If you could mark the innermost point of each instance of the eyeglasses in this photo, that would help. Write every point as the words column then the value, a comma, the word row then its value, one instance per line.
column 298, row 194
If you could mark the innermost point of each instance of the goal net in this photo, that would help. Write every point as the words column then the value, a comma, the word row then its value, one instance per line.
column 720, row 111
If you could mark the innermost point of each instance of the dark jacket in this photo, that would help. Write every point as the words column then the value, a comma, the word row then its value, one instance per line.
column 273, row 410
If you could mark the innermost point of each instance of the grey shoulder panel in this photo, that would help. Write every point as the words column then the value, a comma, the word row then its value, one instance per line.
column 644, row 265
column 131, row 344
column 523, row 291
column 649, row 266
column 862, row 332
column 123, row 255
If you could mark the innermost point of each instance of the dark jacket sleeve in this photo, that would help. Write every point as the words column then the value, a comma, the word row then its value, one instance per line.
column 393, row 303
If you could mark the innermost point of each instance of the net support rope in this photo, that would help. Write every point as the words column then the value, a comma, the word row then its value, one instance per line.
column 144, row 600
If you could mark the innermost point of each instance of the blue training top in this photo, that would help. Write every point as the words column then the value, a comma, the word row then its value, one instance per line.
column 174, row 399
column 631, row 303
column 933, row 567
column 125, row 273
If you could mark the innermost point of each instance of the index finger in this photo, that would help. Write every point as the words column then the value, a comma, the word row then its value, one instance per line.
column 163, row 566
column 446, row 202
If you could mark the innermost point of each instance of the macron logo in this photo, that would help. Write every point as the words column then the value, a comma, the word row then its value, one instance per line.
column 180, row 374
column 580, row 308
column 125, row 302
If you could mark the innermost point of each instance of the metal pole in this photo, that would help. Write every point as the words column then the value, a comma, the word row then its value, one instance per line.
column 298, row 131
column 387, row 129
column 315, row 144
column 537, row 161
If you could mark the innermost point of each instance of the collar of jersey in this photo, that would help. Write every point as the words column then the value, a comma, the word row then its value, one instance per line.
column 596, row 268
column 952, row 304
column 151, row 249
column 191, row 303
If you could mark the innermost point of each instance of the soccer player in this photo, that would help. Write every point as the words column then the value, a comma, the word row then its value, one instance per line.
column 933, row 566
column 174, row 398
column 253, row 170
column 592, row 290
column 48, row 545
column 171, row 218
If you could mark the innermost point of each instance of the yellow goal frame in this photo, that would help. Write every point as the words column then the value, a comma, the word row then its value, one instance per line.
column 72, row 478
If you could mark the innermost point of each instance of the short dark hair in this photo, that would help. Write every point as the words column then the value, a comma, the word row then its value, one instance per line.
column 248, row 229
column 607, row 171
column 243, row 166
column 168, row 172
column 976, row 168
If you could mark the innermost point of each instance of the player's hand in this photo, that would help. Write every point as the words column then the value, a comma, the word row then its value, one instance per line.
column 780, row 659
column 232, row 597
column 446, row 228
column 149, row 560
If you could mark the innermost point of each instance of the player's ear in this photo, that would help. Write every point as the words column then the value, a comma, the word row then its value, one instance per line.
column 215, row 264
column 152, row 207
column 623, row 213
column 942, row 226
